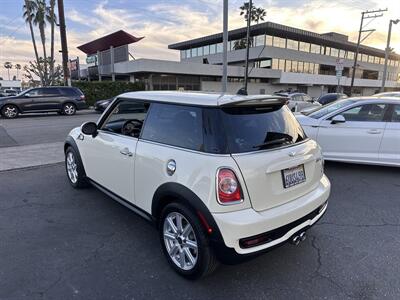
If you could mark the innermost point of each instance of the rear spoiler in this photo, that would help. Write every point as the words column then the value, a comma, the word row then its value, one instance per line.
column 253, row 101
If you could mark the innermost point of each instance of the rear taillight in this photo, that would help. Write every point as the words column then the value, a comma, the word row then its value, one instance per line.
column 82, row 97
column 228, row 187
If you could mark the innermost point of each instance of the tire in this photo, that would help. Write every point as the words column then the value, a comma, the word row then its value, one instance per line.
column 68, row 109
column 195, row 242
column 9, row 111
column 74, row 168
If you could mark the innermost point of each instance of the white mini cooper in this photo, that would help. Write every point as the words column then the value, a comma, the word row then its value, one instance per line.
column 222, row 177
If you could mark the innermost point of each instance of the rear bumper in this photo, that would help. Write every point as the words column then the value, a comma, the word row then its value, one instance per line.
column 81, row 105
column 238, row 225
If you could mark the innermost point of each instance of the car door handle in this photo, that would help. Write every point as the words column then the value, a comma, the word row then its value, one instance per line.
column 374, row 131
column 126, row 152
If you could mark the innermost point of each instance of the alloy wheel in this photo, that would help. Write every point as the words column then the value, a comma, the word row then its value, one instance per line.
column 180, row 241
column 10, row 111
column 72, row 167
column 69, row 109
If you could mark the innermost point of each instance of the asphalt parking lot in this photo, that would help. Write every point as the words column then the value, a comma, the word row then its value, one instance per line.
column 60, row 243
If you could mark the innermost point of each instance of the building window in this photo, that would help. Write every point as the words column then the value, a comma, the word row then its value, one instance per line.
column 371, row 59
column 305, row 47
column 334, row 52
column 350, row 55
column 291, row 44
column 288, row 66
column 213, row 49
column 200, row 51
column 219, row 48
column 269, row 40
column 377, row 60
column 194, row 52
column 275, row 64
column 188, row 53
column 300, row 67
column 327, row 51
column 316, row 69
column 342, row 53
column 282, row 64
column 364, row 57
column 315, row 49
column 259, row 40
column 183, row 54
column 206, row 50
column 279, row 42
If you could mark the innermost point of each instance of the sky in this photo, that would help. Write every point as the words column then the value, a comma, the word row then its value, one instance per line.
column 166, row 22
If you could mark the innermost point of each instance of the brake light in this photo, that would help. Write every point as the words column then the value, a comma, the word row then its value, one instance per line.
column 82, row 97
column 228, row 187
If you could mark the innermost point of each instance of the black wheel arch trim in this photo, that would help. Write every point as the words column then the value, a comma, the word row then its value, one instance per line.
column 70, row 142
column 181, row 194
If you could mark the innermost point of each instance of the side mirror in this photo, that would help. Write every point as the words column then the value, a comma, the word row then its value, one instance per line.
column 89, row 128
column 338, row 119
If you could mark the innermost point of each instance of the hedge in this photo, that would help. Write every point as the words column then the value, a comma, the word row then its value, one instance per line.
column 99, row 90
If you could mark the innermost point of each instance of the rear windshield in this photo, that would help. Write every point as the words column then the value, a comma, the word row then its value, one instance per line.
column 71, row 91
column 326, row 109
column 256, row 128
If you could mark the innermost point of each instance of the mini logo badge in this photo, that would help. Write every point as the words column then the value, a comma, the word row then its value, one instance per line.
column 292, row 154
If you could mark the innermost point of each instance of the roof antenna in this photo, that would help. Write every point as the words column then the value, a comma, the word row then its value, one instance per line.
column 243, row 91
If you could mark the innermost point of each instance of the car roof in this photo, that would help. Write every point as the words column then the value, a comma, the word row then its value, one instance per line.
column 373, row 99
column 201, row 98
column 387, row 93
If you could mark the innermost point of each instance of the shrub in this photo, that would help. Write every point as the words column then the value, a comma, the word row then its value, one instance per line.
column 99, row 90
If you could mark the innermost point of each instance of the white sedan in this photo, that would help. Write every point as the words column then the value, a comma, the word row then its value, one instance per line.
column 357, row 130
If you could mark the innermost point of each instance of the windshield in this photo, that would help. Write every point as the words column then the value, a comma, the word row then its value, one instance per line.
column 256, row 128
column 326, row 109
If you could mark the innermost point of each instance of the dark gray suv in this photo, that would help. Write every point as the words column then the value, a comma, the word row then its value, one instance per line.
column 64, row 100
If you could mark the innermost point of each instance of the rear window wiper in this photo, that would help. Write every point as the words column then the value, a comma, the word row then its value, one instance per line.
column 274, row 142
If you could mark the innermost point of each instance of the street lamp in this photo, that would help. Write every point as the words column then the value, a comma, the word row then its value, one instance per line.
column 387, row 50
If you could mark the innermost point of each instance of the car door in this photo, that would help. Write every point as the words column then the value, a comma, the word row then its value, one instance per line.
column 108, row 158
column 42, row 99
column 390, row 147
column 356, row 139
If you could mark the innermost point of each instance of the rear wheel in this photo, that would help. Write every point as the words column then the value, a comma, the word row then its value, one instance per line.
column 74, row 168
column 184, row 242
column 9, row 111
column 69, row 109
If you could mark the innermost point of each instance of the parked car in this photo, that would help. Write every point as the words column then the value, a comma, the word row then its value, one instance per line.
column 329, row 98
column 101, row 105
column 388, row 94
column 64, row 100
column 8, row 92
column 222, row 177
column 357, row 130
column 299, row 101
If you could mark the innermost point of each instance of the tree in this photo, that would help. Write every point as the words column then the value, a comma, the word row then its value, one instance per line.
column 18, row 67
column 39, row 19
column 241, row 44
column 8, row 65
column 257, row 13
column 51, row 19
column 33, row 70
column 29, row 8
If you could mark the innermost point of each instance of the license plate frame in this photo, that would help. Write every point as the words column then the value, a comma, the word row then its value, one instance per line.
column 298, row 176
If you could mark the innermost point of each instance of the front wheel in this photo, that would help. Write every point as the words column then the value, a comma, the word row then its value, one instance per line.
column 68, row 109
column 75, row 171
column 185, row 243
column 9, row 111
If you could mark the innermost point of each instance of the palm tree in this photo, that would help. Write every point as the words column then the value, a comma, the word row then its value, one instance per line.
column 51, row 19
column 8, row 65
column 18, row 67
column 39, row 19
column 29, row 9
column 259, row 14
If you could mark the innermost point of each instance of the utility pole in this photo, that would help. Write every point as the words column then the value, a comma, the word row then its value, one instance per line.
column 364, row 15
column 64, row 46
column 247, row 45
column 387, row 50
column 225, row 48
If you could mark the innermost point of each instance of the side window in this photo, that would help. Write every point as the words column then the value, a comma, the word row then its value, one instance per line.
column 36, row 92
column 126, row 118
column 307, row 98
column 298, row 98
column 366, row 113
column 175, row 125
column 396, row 113
column 69, row 92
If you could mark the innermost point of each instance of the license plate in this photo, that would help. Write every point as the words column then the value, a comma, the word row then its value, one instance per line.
column 293, row 176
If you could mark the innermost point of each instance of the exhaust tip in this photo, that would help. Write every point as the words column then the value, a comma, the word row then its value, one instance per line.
column 298, row 238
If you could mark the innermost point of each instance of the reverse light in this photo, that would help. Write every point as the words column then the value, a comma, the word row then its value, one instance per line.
column 228, row 187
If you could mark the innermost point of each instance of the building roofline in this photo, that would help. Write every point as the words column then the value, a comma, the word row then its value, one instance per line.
column 284, row 31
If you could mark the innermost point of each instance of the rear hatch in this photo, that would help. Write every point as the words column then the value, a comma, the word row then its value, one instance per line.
column 277, row 161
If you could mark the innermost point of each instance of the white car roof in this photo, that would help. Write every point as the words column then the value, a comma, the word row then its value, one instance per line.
column 199, row 98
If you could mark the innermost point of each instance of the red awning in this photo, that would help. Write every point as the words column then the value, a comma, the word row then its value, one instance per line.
column 115, row 39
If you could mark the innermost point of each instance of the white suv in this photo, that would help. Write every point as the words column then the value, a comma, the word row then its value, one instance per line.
column 222, row 177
